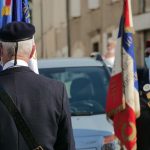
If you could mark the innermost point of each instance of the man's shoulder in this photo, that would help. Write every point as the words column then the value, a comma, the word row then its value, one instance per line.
column 55, row 88
column 51, row 82
column 28, row 75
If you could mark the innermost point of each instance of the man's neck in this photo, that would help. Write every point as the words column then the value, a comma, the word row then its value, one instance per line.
column 10, row 64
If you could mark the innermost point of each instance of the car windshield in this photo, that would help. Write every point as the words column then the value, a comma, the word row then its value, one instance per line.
column 86, row 88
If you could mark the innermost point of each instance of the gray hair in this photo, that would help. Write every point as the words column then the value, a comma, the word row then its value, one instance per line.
column 112, row 40
column 24, row 47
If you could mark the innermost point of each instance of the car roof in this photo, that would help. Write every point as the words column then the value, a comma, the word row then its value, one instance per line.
column 68, row 62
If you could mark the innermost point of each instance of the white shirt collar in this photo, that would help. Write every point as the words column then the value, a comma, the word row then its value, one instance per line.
column 10, row 64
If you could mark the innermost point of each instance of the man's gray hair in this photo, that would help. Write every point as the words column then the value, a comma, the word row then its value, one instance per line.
column 112, row 40
column 24, row 47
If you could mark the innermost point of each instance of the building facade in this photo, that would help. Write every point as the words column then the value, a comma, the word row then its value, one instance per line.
column 91, row 23
column 49, row 18
column 98, row 21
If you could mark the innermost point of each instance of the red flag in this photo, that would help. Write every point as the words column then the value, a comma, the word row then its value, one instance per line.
column 115, row 101
column 123, row 98
column 125, row 127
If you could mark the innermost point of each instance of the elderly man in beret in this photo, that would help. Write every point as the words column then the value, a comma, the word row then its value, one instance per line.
column 143, row 123
column 41, row 102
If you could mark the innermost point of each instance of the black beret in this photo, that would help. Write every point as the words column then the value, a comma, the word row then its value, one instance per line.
column 17, row 31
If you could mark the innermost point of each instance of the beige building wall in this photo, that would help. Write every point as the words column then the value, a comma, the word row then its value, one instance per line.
column 111, row 15
column 88, row 27
column 49, row 18
column 103, row 23
column 94, row 26
column 84, row 29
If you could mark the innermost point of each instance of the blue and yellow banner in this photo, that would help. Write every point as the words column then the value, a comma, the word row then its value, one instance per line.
column 21, row 11
column 14, row 10
column 5, row 12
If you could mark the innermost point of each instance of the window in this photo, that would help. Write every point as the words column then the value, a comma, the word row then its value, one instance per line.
column 86, row 87
column 93, row 4
column 75, row 10
column 96, row 47
column 95, row 41
column 109, row 35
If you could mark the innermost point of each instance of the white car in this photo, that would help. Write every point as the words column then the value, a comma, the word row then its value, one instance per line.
column 86, row 82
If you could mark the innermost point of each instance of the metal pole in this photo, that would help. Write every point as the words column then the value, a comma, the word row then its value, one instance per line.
column 68, row 26
column 42, row 21
column 144, row 5
column 143, row 11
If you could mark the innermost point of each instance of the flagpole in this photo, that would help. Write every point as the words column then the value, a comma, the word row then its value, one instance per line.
column 143, row 6
column 122, row 49
column 68, row 26
column 42, row 41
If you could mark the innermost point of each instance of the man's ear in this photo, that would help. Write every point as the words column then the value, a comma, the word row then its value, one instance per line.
column 33, row 51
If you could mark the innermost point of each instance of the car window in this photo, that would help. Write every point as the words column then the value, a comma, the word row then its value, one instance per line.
column 86, row 87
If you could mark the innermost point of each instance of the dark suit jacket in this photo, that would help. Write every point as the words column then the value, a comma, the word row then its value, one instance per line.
column 143, row 123
column 44, row 105
column 143, row 77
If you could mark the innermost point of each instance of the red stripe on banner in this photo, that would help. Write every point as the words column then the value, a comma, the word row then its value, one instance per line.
column 114, row 96
column 126, row 13
column 125, row 127
column 8, row 2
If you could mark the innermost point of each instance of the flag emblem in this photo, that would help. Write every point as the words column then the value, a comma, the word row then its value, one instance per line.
column 6, row 10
